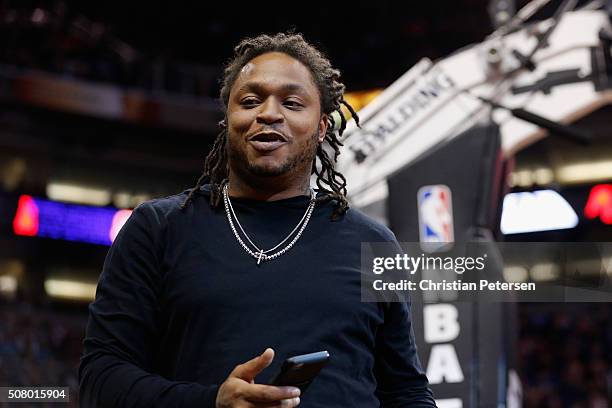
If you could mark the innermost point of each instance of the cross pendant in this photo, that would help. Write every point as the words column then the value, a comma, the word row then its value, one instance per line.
column 260, row 255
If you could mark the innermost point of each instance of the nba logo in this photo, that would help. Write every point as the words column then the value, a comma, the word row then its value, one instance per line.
column 435, row 214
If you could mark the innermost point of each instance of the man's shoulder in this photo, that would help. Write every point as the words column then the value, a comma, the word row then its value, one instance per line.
column 165, row 204
column 164, row 207
column 368, row 227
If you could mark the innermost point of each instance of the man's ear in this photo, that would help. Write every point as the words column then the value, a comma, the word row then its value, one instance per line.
column 323, row 124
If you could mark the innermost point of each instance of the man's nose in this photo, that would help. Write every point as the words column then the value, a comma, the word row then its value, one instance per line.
column 270, row 112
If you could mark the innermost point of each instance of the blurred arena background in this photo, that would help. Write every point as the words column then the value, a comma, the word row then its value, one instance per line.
column 104, row 105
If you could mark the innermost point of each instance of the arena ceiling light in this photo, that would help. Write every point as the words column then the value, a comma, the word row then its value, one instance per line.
column 528, row 177
column 8, row 285
column 78, row 194
column 585, row 172
column 69, row 289
column 543, row 210
column 11, row 271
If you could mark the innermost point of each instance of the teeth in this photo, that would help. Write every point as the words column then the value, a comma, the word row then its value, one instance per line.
column 266, row 138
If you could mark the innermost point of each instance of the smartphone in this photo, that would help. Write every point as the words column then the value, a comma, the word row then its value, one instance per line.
column 299, row 371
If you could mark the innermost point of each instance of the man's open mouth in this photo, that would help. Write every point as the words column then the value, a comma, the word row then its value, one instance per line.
column 267, row 141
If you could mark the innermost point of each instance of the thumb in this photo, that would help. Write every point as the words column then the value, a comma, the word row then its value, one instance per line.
column 249, row 370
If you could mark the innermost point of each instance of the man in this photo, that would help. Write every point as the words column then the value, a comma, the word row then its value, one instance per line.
column 199, row 283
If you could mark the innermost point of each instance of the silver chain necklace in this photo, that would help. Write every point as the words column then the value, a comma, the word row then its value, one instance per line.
column 260, row 254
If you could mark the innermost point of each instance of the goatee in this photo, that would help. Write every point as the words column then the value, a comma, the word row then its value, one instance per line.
column 238, row 160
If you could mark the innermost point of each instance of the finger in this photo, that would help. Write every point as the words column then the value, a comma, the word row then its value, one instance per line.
column 269, row 393
column 287, row 403
column 290, row 403
column 249, row 370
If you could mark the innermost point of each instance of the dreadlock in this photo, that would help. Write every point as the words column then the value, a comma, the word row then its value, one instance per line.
column 331, row 92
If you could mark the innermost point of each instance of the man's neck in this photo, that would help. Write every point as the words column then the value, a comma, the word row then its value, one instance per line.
column 268, row 188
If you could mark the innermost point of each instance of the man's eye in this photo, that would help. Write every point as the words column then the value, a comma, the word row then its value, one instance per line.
column 250, row 102
column 293, row 104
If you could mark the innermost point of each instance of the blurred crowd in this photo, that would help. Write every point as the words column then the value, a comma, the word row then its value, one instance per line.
column 40, row 348
column 564, row 352
column 73, row 46
column 565, row 355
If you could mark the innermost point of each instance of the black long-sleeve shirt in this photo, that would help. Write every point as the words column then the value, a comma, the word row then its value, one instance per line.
column 179, row 304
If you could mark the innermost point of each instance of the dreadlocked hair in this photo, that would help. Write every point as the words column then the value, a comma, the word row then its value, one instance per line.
column 329, row 181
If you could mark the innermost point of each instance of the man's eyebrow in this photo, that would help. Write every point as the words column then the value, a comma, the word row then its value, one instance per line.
column 258, row 87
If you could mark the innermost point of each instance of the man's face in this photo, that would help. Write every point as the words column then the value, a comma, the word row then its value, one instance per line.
column 274, row 119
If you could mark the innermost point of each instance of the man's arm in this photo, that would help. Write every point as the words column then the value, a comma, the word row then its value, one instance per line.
column 123, row 328
column 401, row 380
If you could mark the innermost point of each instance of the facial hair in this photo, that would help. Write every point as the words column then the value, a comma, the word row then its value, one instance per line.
column 240, row 162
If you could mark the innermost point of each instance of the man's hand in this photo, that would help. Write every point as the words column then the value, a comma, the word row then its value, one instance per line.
column 240, row 390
